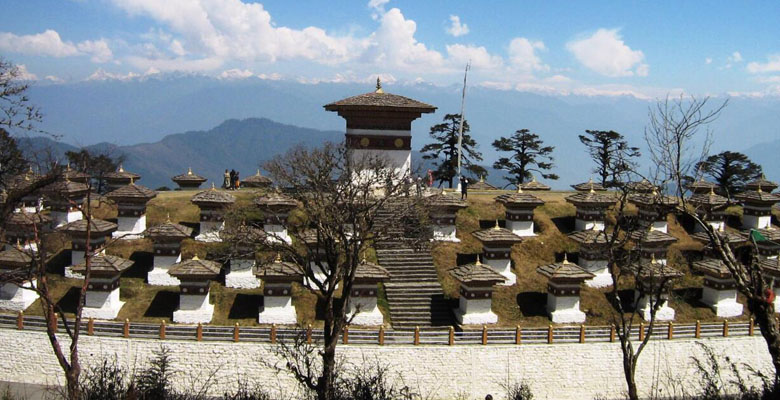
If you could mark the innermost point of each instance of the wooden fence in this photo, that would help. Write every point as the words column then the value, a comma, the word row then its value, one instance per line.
column 447, row 337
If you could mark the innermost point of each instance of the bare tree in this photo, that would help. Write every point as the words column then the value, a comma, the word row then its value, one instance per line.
column 670, row 136
column 340, row 196
column 16, row 111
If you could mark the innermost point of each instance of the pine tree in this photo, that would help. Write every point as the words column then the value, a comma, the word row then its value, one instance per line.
column 731, row 170
column 444, row 150
column 528, row 155
column 611, row 153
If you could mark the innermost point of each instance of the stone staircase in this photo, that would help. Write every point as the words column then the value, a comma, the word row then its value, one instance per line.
column 414, row 293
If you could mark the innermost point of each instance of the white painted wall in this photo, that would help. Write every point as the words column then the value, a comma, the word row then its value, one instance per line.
column 565, row 309
column 241, row 275
column 582, row 225
column 193, row 309
column 521, row 228
column 102, row 305
column 723, row 302
column 15, row 298
column 503, row 267
column 475, row 312
column 209, row 231
column 756, row 222
column 159, row 275
column 599, row 268
column 130, row 227
column 445, row 233
column 277, row 310
column 558, row 371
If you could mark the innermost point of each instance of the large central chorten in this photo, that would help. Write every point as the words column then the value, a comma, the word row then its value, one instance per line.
column 381, row 123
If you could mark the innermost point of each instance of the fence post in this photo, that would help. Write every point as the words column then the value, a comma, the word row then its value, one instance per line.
column 451, row 338
column 725, row 328
column 484, row 335
column 641, row 331
column 381, row 335
column 308, row 334
column 162, row 329
column 20, row 320
column 582, row 333
column 199, row 332
column 56, row 322
column 750, row 327
column 126, row 329
column 612, row 333
column 550, row 334
column 697, row 333
column 518, row 334
column 670, row 331
column 345, row 338
column 416, row 335
column 90, row 326
column 273, row 333
column 235, row 332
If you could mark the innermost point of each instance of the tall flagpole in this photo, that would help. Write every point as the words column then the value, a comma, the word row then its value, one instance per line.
column 462, row 116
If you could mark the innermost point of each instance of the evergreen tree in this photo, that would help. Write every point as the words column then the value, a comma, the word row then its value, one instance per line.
column 444, row 150
column 94, row 164
column 611, row 153
column 731, row 170
column 528, row 155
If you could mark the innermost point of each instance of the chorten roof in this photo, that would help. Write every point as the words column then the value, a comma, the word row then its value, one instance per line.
column 279, row 269
column 497, row 234
column 379, row 100
column 652, row 270
column 591, row 198
column 476, row 274
column 771, row 267
column 275, row 199
column 104, row 264
column 370, row 271
column 121, row 174
column 758, row 196
column 534, row 185
column 481, row 185
column 65, row 188
column 132, row 191
column 709, row 200
column 195, row 268
column 14, row 258
column 74, row 175
column 763, row 183
column 653, row 198
column 445, row 200
column 519, row 198
column 189, row 176
column 589, row 237
column 643, row 186
column 257, row 180
column 213, row 196
column 730, row 236
column 25, row 219
column 712, row 267
column 168, row 229
column 564, row 271
column 587, row 186
column 702, row 186
column 96, row 226
column 652, row 236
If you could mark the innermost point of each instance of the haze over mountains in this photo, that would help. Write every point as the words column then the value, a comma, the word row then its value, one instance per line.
column 144, row 117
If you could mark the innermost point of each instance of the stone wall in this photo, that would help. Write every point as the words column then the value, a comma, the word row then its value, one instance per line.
column 557, row 371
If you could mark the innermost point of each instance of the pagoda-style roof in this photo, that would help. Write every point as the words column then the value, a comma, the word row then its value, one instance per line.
column 712, row 267
column 132, row 192
column 97, row 226
column 23, row 180
column 591, row 198
column 120, row 175
column 590, row 237
column 368, row 271
column 770, row 267
column 588, row 186
column 653, row 199
column 213, row 196
column 564, row 271
column 729, row 236
column 76, row 176
column 709, row 200
column 195, row 268
column 481, row 185
column 14, row 258
column 643, row 186
column 379, row 100
column 534, row 185
column 519, row 198
column 309, row 237
column 279, row 270
column 445, row 200
column 758, row 196
column 762, row 183
column 702, row 186
column 653, row 270
column 256, row 180
column 167, row 230
column 496, row 234
column 244, row 235
column 104, row 265
column 476, row 274
column 26, row 220
column 772, row 235
column 189, row 177
column 652, row 236
column 275, row 199
column 66, row 188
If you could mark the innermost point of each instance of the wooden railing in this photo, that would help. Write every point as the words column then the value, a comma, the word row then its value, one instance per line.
column 445, row 337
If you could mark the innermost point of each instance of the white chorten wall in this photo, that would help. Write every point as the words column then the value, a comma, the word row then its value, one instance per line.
column 564, row 309
column 77, row 257
column 158, row 275
column 130, row 227
column 15, row 298
column 399, row 160
column 661, row 226
column 475, row 311
column 445, row 233
column 503, row 267
column 716, row 225
column 723, row 302
column 60, row 218
column 101, row 304
column 209, row 231
column 276, row 232
column 369, row 312
column 277, row 305
column 664, row 313
column 521, row 228
column 241, row 275
column 756, row 221
column 193, row 309
column 318, row 273
column 599, row 268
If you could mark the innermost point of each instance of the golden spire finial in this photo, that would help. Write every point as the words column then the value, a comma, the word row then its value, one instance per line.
column 652, row 259
column 591, row 188
column 712, row 190
column 519, row 188
column 720, row 227
column 189, row 170
column 213, row 187
column 67, row 167
column 533, row 178
column 565, row 258
column 258, row 172
column 479, row 262
column 278, row 258
column 496, row 227
column 195, row 258
column 759, row 188
column 482, row 178
column 18, row 245
column 379, row 86
column 168, row 217
column 132, row 180
column 655, row 192
column 121, row 169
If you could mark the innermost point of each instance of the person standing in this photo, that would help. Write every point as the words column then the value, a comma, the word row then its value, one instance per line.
column 464, row 188
column 232, row 179
column 237, row 184
column 226, row 180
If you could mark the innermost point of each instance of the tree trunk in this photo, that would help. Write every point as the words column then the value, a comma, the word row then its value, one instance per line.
column 72, row 378
column 764, row 314
column 328, row 372
column 629, row 369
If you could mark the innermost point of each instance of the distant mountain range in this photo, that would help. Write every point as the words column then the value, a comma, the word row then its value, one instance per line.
column 144, row 110
column 235, row 144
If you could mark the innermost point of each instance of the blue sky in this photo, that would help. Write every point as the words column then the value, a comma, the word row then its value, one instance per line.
column 646, row 49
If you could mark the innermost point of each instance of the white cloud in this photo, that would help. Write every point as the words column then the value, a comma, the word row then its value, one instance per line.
column 459, row 55
column 606, row 53
column 772, row 65
column 236, row 73
column 456, row 28
column 54, row 79
column 24, row 75
column 49, row 43
column 393, row 44
column 522, row 55
column 708, row 60
column 735, row 57
column 102, row 75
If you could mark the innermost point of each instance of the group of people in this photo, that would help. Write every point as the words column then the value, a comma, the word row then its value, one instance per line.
column 231, row 182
